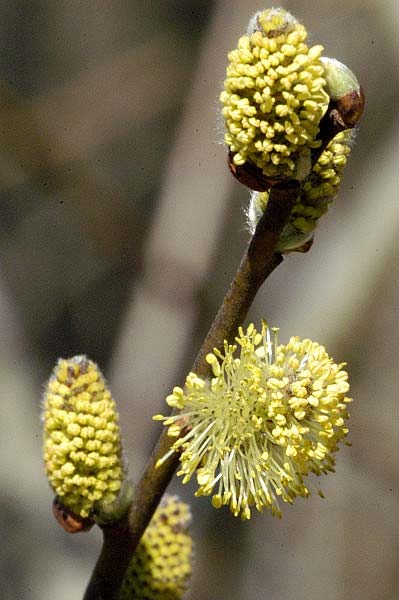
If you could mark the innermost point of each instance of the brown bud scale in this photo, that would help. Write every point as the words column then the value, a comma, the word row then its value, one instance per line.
column 250, row 175
column 350, row 107
column 70, row 522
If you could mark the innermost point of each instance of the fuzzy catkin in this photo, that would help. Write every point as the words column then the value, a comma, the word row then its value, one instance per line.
column 319, row 190
column 274, row 97
column 270, row 415
column 82, row 440
column 161, row 565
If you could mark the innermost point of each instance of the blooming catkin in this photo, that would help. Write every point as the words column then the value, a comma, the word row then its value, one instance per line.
column 82, row 441
column 274, row 96
column 161, row 565
column 269, row 417
column 318, row 191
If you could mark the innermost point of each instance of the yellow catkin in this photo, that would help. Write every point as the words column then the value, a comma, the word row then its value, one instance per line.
column 270, row 415
column 82, row 440
column 161, row 566
column 274, row 96
column 319, row 190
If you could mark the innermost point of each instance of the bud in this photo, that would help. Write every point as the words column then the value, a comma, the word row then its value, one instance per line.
column 343, row 87
column 161, row 565
column 82, row 442
column 339, row 79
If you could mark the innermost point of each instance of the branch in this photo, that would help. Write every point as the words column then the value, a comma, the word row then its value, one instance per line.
column 258, row 262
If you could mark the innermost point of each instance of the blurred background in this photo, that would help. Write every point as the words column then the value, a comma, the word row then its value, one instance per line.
column 120, row 229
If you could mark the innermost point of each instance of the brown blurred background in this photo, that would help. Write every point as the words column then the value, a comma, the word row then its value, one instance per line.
column 120, row 229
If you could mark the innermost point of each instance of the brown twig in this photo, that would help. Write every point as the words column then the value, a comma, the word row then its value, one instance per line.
column 259, row 261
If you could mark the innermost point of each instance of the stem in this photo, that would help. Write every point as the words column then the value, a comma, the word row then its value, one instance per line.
column 257, row 263
column 259, row 260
